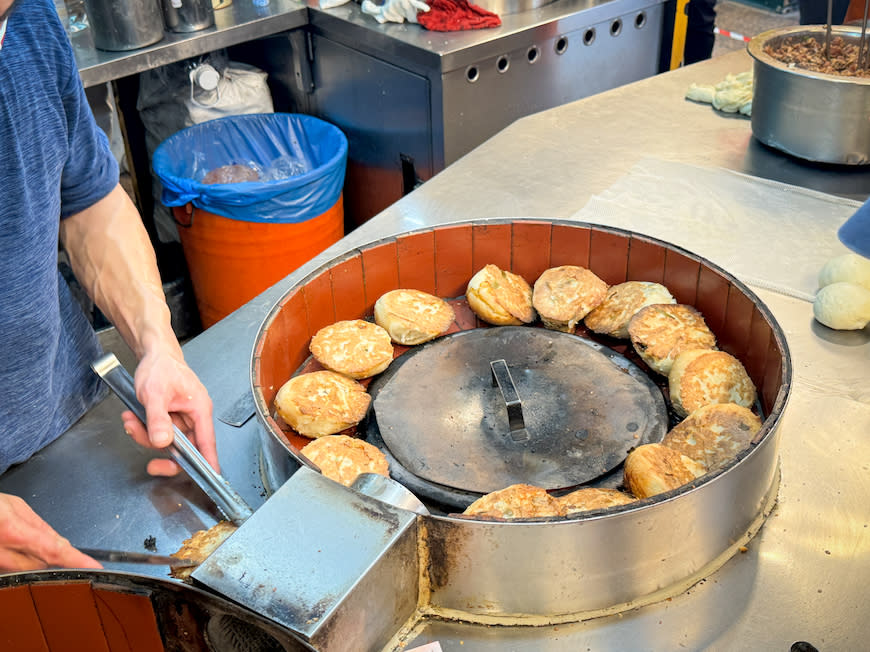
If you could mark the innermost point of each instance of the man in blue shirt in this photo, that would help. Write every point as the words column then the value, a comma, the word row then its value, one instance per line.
column 59, row 183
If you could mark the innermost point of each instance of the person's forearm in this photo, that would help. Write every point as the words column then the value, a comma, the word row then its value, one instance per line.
column 112, row 257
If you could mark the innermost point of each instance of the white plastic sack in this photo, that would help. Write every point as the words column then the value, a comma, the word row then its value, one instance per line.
column 241, row 89
column 170, row 101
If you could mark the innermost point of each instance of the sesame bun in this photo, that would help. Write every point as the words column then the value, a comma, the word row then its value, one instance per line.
column 620, row 304
column 500, row 298
column 199, row 546
column 321, row 403
column 714, row 434
column 701, row 377
column 413, row 317
column 565, row 295
column 660, row 332
column 516, row 501
column 356, row 348
column 586, row 499
column 342, row 458
column 654, row 469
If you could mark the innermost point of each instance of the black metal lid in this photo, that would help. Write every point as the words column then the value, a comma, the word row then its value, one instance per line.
column 482, row 409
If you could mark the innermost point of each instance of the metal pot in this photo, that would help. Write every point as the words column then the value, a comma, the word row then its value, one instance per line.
column 120, row 26
column 188, row 15
column 814, row 116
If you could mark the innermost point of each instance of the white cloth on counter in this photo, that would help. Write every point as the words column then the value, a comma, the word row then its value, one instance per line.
column 394, row 11
column 786, row 233
column 731, row 95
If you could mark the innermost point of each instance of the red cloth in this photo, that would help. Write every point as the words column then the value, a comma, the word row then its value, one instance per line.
column 456, row 15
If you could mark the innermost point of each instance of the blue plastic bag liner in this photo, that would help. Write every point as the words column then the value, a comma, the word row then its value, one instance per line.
column 301, row 161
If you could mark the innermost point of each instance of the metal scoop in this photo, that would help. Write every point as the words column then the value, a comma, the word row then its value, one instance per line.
column 228, row 501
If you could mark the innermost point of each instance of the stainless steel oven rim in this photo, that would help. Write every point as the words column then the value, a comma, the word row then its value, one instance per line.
column 571, row 569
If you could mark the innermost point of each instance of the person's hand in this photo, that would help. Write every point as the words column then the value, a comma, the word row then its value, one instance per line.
column 29, row 543
column 394, row 11
column 166, row 385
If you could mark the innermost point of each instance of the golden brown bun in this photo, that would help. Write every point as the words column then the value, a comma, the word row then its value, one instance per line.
column 355, row 347
column 321, row 403
column 200, row 545
column 413, row 317
column 653, row 469
column 500, row 298
column 714, row 434
column 231, row 174
column 586, row 499
column 621, row 303
column 516, row 501
column 660, row 332
column 701, row 377
column 342, row 458
column 565, row 295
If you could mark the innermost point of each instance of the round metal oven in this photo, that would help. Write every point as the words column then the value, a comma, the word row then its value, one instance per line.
column 102, row 610
column 814, row 116
column 548, row 571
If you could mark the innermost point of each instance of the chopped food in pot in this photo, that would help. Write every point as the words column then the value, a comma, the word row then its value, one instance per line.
column 808, row 53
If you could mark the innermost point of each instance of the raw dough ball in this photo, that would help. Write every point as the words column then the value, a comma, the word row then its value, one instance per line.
column 850, row 268
column 843, row 306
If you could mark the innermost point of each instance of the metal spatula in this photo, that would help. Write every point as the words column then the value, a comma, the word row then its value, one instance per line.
column 228, row 501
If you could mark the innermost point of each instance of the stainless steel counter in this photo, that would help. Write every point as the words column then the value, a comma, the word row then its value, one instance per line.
column 242, row 22
column 802, row 578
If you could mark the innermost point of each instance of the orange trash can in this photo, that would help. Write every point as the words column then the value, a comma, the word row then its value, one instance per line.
column 239, row 239
column 231, row 261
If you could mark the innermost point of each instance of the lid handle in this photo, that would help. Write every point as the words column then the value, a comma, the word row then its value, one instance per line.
column 501, row 376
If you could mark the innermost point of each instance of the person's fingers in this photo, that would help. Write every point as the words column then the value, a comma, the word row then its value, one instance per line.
column 202, row 433
column 135, row 429
column 162, row 467
column 57, row 551
column 12, row 561
column 159, row 423
column 28, row 542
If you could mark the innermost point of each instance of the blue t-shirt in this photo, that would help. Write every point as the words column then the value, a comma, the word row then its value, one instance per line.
column 54, row 162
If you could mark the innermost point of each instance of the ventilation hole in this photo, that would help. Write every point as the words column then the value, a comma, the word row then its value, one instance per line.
column 589, row 36
column 640, row 20
column 472, row 74
column 230, row 634
column 533, row 54
column 561, row 45
column 503, row 63
column 616, row 27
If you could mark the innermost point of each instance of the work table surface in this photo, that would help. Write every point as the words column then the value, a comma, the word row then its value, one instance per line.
column 803, row 576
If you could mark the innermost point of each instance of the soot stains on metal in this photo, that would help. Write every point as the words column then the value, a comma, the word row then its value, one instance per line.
column 584, row 406
column 443, row 543
column 378, row 512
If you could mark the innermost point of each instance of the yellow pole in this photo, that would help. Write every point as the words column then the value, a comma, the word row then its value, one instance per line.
column 681, row 21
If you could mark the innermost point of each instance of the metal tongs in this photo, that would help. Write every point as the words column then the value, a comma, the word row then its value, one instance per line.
column 228, row 501
column 863, row 61
column 863, row 50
